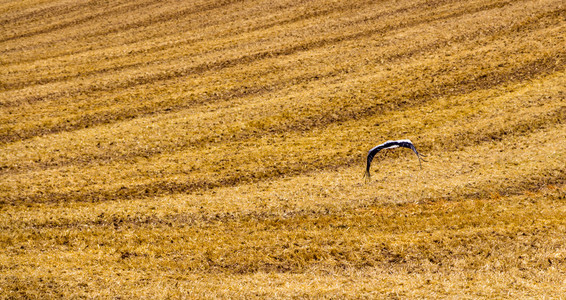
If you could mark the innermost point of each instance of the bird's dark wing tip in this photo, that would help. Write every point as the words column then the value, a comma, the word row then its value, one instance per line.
column 367, row 176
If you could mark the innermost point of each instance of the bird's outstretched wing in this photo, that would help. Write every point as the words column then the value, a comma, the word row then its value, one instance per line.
column 373, row 151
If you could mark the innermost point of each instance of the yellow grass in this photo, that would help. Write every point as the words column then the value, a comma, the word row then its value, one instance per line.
column 215, row 149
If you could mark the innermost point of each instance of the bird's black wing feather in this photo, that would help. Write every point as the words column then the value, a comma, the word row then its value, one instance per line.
column 412, row 147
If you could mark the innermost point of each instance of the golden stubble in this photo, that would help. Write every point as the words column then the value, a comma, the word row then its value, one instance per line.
column 216, row 149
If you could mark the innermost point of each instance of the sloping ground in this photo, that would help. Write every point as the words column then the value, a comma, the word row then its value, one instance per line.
column 216, row 148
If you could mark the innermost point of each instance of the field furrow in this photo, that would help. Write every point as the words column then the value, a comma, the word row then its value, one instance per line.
column 123, row 111
column 280, row 154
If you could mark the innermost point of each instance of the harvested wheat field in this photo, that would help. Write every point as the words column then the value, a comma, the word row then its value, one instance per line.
column 215, row 149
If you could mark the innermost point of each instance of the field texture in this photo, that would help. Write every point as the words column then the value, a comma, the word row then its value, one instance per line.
column 215, row 148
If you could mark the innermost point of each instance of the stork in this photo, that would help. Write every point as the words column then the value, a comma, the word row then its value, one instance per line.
column 391, row 145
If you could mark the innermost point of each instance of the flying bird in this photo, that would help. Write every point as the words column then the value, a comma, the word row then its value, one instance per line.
column 391, row 145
